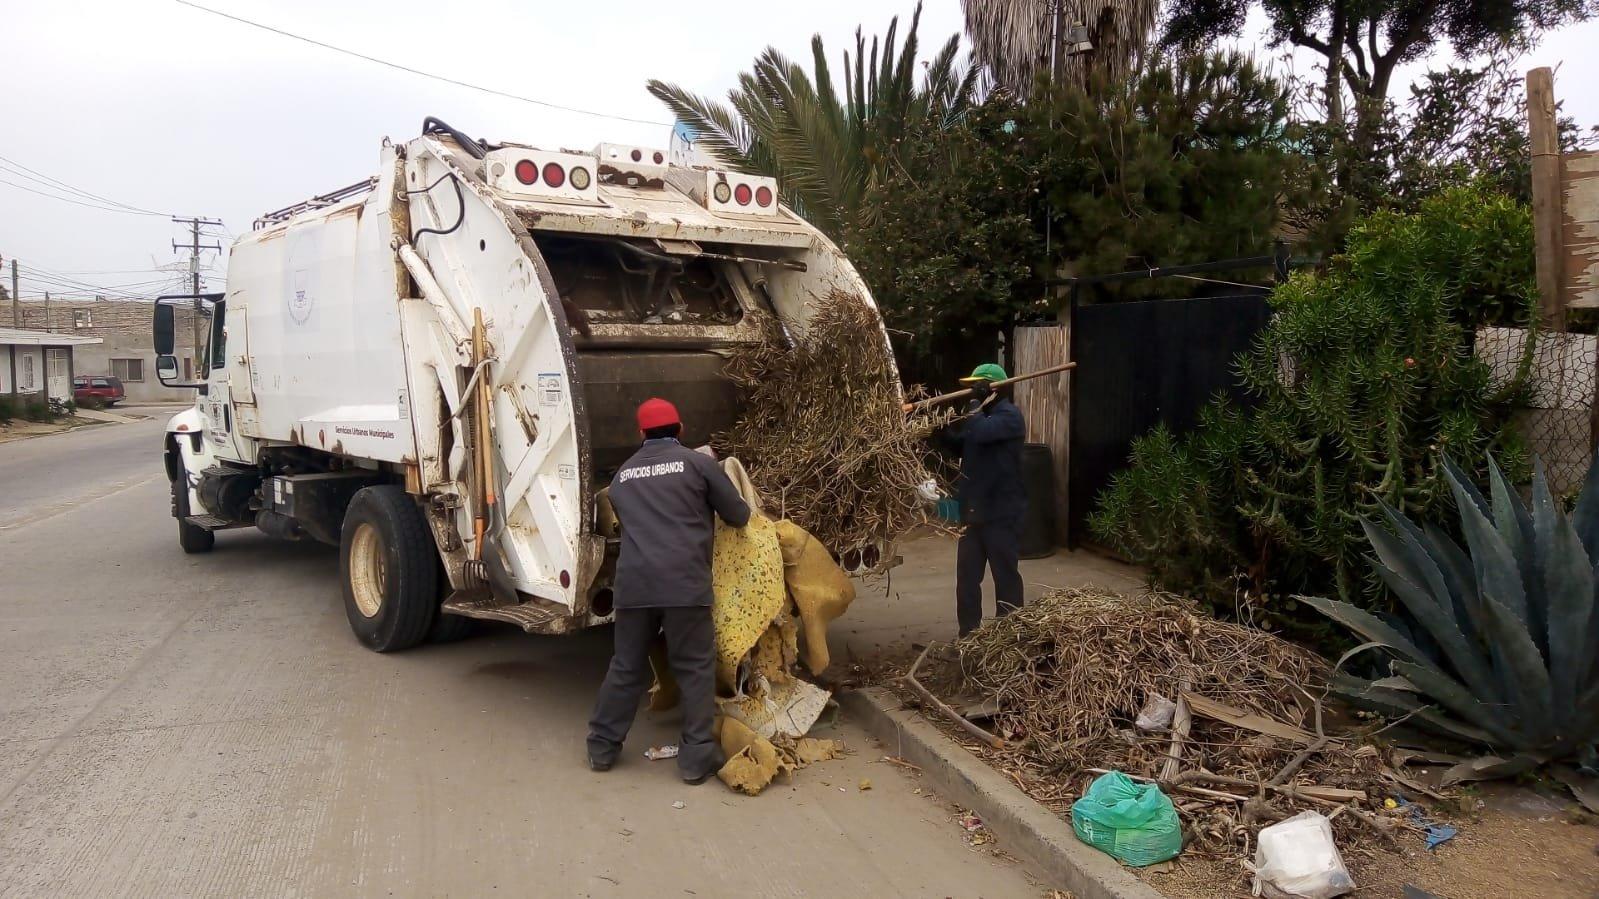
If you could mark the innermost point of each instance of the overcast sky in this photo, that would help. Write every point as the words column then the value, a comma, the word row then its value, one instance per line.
column 176, row 111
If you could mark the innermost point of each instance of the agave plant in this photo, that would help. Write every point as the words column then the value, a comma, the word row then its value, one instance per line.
column 1513, row 617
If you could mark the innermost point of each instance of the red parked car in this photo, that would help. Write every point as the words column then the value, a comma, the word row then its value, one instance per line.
column 103, row 388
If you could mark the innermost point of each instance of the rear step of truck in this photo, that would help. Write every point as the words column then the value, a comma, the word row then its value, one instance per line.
column 534, row 616
column 211, row 522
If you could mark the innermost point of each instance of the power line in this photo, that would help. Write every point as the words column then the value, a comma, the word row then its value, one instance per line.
column 43, row 275
column 67, row 278
column 140, row 289
column 77, row 202
column 56, row 183
column 404, row 68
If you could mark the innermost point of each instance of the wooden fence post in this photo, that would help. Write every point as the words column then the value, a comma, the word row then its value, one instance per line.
column 1546, row 195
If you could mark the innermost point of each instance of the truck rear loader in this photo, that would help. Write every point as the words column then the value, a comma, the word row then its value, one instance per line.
column 436, row 369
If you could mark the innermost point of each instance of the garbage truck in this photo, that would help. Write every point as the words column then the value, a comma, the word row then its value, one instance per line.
column 436, row 369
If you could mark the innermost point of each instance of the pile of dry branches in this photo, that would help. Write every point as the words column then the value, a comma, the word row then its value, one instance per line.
column 824, row 434
column 1072, row 671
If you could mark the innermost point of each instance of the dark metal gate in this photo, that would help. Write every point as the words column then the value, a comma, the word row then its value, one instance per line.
column 1143, row 363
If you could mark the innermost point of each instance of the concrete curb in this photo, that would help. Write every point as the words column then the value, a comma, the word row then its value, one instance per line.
column 1021, row 824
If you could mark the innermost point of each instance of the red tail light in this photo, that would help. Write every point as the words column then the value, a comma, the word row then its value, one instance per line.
column 638, row 154
column 742, row 194
column 526, row 172
column 763, row 196
column 554, row 175
column 659, row 158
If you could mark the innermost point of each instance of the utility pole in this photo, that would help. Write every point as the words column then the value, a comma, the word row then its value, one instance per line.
column 1057, row 43
column 46, row 311
column 194, row 248
column 16, row 305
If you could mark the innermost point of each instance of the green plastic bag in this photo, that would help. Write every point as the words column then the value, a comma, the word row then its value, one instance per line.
column 1133, row 822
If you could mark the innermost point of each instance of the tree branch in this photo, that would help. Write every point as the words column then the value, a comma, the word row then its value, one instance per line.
column 1299, row 36
column 1412, row 33
column 1352, row 40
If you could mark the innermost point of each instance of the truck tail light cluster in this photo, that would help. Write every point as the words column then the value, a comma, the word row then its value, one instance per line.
column 523, row 173
column 631, row 166
column 729, row 192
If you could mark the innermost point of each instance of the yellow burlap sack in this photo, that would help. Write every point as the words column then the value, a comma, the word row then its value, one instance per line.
column 747, row 584
column 820, row 589
column 752, row 760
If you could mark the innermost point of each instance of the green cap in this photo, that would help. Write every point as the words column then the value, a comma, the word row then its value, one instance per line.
column 988, row 371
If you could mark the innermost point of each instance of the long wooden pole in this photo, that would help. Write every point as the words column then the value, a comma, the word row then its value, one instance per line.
column 962, row 394
column 480, row 437
column 1543, row 133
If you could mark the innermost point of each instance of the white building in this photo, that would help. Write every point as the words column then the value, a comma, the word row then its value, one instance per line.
column 37, row 365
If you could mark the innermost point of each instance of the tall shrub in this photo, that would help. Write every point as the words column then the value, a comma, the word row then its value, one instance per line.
column 1366, row 376
column 1186, row 162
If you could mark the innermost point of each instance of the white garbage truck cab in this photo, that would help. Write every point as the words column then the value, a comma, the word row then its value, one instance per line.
column 436, row 369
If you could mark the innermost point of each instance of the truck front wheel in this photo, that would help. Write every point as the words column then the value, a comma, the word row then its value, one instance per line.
column 389, row 568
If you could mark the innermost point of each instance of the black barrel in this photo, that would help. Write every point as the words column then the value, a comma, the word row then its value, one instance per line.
column 1038, row 528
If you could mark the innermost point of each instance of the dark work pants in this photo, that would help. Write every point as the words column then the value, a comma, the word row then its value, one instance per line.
column 691, row 650
column 997, row 547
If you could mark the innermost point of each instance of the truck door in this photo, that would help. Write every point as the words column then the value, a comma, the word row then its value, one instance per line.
column 221, row 427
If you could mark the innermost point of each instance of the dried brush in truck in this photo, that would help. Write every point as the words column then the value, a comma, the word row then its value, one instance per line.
column 824, row 433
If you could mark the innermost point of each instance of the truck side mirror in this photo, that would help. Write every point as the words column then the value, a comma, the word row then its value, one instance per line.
column 166, row 367
column 161, row 334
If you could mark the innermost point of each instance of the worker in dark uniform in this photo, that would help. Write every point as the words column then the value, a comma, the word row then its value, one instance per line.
column 664, row 497
column 993, row 498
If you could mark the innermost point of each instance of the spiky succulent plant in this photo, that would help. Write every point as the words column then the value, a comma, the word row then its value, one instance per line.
column 1513, row 618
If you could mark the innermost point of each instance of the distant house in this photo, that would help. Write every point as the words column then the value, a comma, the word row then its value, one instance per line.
column 38, row 365
column 125, row 350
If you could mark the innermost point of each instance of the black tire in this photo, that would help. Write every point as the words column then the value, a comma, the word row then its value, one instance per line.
column 448, row 628
column 389, row 568
column 192, row 538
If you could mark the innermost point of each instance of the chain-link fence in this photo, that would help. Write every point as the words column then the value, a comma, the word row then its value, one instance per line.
column 1555, row 373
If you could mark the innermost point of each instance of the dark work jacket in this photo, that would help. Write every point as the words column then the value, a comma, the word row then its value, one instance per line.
column 990, row 445
column 664, row 497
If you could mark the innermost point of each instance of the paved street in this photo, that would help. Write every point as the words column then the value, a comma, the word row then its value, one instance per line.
column 178, row 725
column 43, row 476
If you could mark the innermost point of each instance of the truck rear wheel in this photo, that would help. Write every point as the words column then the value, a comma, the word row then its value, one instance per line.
column 389, row 568
column 449, row 628
column 193, row 538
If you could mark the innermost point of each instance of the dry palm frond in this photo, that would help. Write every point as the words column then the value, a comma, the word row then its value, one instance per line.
column 1012, row 37
column 824, row 434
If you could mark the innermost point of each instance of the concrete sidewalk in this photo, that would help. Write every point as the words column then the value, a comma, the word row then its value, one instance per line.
column 915, row 602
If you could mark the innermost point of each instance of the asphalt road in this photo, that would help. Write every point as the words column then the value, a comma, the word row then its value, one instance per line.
column 177, row 725
column 44, row 476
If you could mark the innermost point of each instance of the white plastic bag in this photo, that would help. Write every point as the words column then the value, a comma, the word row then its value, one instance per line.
column 927, row 491
column 1297, row 859
column 1157, row 714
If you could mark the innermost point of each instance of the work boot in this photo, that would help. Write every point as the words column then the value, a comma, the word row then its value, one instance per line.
column 696, row 781
column 597, row 765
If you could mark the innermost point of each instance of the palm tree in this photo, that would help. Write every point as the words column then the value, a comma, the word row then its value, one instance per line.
column 1012, row 38
column 829, row 151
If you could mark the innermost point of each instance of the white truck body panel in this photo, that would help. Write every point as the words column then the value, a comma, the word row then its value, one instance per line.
column 346, row 334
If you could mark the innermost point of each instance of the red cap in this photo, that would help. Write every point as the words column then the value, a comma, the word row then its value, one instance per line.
column 656, row 413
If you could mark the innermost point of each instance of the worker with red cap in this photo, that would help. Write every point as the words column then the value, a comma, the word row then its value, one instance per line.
column 665, row 497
